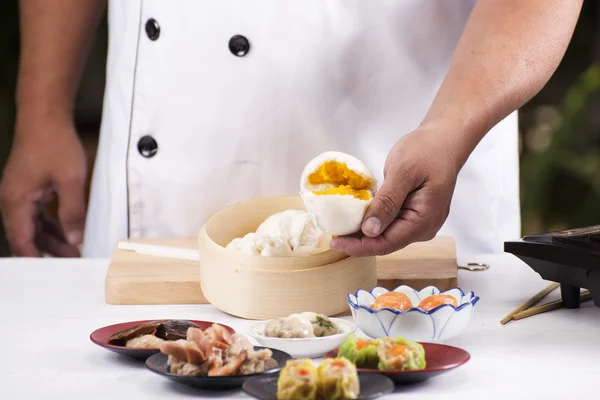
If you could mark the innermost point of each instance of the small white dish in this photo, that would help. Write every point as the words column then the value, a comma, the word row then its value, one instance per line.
column 435, row 326
column 304, row 347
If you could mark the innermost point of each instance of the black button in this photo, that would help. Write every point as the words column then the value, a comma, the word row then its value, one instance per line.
column 239, row 45
column 147, row 146
column 152, row 29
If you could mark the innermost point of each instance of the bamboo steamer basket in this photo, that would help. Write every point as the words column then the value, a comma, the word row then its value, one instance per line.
column 257, row 287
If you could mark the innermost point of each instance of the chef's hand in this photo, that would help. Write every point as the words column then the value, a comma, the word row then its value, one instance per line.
column 413, row 201
column 46, row 161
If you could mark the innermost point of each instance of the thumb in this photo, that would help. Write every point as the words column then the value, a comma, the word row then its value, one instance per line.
column 385, row 207
column 71, row 210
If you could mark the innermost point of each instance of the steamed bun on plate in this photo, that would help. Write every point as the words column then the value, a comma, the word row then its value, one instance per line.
column 337, row 188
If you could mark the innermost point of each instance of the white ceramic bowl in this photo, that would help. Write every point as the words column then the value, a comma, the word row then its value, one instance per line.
column 436, row 325
column 304, row 347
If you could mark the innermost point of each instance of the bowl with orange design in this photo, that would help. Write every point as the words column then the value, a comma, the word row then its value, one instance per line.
column 426, row 315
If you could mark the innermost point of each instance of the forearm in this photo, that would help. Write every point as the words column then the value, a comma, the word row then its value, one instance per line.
column 507, row 53
column 55, row 40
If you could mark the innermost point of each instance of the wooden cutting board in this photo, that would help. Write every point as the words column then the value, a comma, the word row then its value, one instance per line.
column 134, row 278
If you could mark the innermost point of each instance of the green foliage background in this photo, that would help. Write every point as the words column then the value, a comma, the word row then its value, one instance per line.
column 560, row 138
column 559, row 128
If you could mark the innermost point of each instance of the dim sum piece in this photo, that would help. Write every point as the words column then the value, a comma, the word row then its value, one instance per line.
column 139, row 335
column 215, row 352
column 361, row 352
column 174, row 329
column 400, row 354
column 144, row 342
column 258, row 362
column 297, row 381
column 337, row 379
column 289, row 327
column 394, row 300
column 323, row 326
column 121, row 338
column 301, row 325
column 436, row 300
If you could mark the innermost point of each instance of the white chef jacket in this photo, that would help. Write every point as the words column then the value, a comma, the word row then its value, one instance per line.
column 208, row 103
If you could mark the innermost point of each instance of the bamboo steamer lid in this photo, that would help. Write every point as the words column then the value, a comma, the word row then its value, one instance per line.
column 257, row 287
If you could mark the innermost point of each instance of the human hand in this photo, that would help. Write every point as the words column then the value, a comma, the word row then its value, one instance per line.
column 413, row 201
column 46, row 161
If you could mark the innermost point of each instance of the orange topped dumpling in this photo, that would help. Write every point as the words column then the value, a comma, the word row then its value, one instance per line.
column 337, row 188
column 395, row 300
column 436, row 300
column 400, row 354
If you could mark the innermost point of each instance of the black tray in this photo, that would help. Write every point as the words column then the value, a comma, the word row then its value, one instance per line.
column 571, row 258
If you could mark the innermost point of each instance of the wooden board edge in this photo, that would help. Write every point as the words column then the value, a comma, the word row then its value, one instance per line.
column 117, row 294
column 418, row 284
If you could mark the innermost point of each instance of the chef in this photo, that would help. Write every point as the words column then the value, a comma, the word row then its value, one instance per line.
column 208, row 103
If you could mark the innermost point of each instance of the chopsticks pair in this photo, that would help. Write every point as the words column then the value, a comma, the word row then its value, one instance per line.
column 524, row 310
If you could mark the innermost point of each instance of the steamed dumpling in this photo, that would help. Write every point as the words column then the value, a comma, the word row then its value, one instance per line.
column 400, row 354
column 298, row 228
column 287, row 233
column 361, row 352
column 267, row 246
column 297, row 381
column 337, row 379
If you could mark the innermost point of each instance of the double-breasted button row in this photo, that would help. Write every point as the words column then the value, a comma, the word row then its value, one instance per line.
column 238, row 45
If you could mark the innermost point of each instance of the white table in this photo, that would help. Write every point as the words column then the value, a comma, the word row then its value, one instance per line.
column 49, row 307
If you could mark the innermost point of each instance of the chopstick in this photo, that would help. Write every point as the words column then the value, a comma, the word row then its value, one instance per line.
column 176, row 253
column 553, row 305
column 529, row 302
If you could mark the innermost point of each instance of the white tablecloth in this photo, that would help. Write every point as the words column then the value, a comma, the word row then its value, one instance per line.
column 49, row 307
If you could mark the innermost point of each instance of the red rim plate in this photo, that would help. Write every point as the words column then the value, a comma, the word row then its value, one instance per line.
column 100, row 336
column 438, row 358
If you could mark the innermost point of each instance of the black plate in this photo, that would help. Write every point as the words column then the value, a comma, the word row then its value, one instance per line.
column 158, row 364
column 264, row 387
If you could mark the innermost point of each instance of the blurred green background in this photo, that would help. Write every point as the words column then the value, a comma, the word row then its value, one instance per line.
column 559, row 128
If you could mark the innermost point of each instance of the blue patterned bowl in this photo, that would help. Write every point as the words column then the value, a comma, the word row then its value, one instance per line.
column 435, row 326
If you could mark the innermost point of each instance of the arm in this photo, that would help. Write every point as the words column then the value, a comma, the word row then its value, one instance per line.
column 56, row 37
column 47, row 158
column 508, row 51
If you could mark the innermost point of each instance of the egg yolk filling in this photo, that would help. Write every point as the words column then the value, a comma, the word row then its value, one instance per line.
column 346, row 181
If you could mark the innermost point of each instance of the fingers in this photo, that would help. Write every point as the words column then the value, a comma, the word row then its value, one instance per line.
column 29, row 232
column 18, row 216
column 50, row 239
column 386, row 205
column 50, row 226
column 53, row 246
column 71, row 209
column 403, row 231
column 424, row 212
